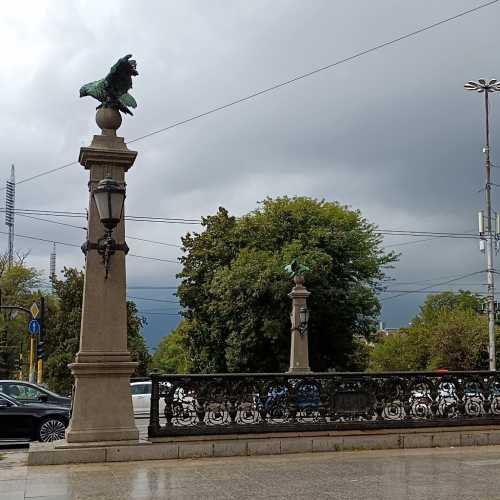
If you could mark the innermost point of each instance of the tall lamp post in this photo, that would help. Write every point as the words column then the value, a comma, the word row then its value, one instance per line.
column 299, row 318
column 102, row 403
column 486, row 87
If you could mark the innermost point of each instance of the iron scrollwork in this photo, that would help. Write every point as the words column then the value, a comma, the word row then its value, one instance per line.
column 251, row 403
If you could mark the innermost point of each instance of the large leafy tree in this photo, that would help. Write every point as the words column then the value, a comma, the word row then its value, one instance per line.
column 234, row 290
column 63, row 331
column 18, row 286
column 447, row 333
column 171, row 355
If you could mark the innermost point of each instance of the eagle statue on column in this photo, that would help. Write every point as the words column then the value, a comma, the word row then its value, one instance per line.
column 112, row 91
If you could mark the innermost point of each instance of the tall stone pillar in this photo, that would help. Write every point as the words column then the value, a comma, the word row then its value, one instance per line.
column 299, row 350
column 102, row 404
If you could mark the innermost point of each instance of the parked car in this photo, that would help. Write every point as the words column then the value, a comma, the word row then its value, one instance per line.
column 31, row 421
column 141, row 398
column 27, row 392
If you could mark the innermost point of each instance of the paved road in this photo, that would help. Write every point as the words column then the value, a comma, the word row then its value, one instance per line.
column 437, row 474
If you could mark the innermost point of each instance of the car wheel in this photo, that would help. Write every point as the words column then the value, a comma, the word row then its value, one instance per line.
column 52, row 429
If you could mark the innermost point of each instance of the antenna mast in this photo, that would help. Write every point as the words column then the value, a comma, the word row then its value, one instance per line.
column 52, row 271
column 10, row 203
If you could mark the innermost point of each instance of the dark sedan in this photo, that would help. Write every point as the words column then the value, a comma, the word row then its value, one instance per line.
column 27, row 392
column 31, row 421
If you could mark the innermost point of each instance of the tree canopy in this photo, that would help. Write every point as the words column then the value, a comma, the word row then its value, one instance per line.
column 171, row 356
column 18, row 285
column 234, row 288
column 447, row 333
column 63, row 331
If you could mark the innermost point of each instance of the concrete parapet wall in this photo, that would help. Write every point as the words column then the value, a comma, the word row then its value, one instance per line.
column 61, row 452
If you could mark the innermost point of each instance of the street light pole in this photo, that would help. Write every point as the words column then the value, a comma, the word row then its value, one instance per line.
column 486, row 87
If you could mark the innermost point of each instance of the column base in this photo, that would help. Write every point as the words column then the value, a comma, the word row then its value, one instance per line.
column 299, row 370
column 102, row 403
column 100, row 435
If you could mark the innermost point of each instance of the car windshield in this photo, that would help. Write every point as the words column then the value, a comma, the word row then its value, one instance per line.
column 10, row 398
column 44, row 389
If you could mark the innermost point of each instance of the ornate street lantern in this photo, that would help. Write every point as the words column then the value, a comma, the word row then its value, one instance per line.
column 304, row 319
column 109, row 198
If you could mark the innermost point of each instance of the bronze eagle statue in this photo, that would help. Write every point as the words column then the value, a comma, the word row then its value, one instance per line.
column 295, row 268
column 112, row 91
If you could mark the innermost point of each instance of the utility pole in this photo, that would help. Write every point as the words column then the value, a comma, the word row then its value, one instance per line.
column 487, row 87
column 52, row 270
column 10, row 203
column 40, row 350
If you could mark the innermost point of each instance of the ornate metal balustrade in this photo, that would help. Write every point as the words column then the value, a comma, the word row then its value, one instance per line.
column 254, row 403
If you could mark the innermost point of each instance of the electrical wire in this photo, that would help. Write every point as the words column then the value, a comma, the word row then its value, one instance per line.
column 159, row 313
column 138, row 218
column 282, row 84
column 458, row 278
column 154, row 300
column 84, row 228
column 78, row 246
column 148, row 287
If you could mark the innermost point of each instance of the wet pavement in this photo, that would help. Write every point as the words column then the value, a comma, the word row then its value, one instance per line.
column 452, row 473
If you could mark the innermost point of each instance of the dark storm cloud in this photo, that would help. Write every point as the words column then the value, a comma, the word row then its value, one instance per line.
column 391, row 133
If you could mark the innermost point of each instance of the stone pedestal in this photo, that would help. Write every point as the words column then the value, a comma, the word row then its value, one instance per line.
column 299, row 350
column 102, row 403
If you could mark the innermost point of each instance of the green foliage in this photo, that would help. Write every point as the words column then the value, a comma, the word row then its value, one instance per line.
column 136, row 344
column 234, row 290
column 447, row 333
column 18, row 284
column 63, row 331
column 171, row 355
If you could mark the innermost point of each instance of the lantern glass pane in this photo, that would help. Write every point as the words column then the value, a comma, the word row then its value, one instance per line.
column 101, row 201
column 117, row 199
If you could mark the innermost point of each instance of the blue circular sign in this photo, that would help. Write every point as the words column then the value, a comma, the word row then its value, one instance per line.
column 34, row 327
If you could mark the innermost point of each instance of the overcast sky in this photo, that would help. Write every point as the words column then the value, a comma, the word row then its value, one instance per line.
column 392, row 133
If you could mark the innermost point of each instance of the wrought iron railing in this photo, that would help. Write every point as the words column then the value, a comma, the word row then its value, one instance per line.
column 254, row 403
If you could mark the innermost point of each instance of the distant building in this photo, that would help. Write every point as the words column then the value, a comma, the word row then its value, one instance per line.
column 383, row 331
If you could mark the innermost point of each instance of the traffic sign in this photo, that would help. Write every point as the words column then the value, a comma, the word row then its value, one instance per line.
column 34, row 310
column 34, row 327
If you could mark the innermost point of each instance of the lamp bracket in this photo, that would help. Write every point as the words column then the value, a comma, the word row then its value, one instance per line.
column 105, row 246
column 90, row 245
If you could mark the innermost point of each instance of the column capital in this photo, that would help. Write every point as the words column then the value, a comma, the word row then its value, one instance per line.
column 95, row 156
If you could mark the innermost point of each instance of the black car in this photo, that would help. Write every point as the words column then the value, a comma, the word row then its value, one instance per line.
column 27, row 392
column 31, row 421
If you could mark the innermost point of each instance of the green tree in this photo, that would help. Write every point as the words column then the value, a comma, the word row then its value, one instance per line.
column 18, row 285
column 136, row 344
column 234, row 290
column 447, row 333
column 171, row 355
column 63, row 331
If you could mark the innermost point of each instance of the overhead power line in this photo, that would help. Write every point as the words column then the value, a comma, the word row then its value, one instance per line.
column 148, row 287
column 64, row 213
column 74, row 245
column 458, row 278
column 154, row 300
column 147, row 313
column 84, row 228
column 285, row 83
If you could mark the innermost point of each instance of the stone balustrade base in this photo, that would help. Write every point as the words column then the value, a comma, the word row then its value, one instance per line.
column 61, row 452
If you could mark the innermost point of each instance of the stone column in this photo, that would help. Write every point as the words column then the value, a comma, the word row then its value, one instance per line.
column 299, row 350
column 102, row 403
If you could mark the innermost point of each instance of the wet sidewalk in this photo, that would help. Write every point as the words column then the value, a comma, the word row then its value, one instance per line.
column 453, row 473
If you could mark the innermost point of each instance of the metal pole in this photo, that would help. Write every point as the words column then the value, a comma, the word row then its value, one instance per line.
column 39, row 373
column 32, row 359
column 489, row 242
